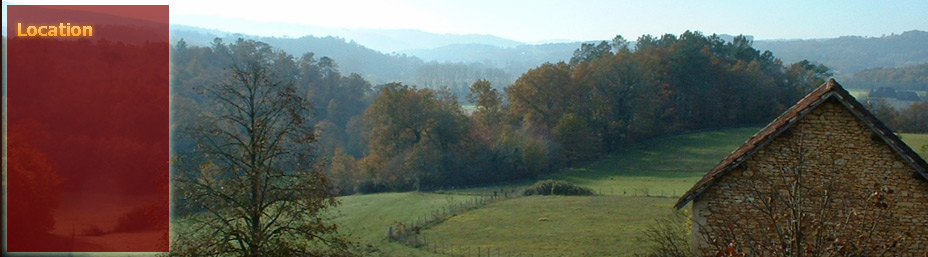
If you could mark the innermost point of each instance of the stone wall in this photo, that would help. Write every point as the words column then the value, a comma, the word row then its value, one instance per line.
column 837, row 156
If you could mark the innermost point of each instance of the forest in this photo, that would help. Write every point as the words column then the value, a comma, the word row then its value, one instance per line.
column 904, row 78
column 397, row 137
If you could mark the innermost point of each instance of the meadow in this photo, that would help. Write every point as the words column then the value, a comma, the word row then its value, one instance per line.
column 637, row 184
column 916, row 142
column 541, row 226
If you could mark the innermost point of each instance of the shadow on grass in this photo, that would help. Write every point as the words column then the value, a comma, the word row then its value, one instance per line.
column 681, row 156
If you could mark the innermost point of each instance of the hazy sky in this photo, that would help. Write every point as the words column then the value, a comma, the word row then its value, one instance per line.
column 544, row 20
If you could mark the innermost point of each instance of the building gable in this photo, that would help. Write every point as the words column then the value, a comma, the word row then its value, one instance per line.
column 828, row 92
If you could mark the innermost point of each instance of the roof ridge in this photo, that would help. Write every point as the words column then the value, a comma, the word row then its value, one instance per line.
column 827, row 90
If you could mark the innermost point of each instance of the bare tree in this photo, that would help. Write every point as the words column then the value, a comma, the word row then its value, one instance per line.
column 252, row 181
column 805, row 210
column 669, row 236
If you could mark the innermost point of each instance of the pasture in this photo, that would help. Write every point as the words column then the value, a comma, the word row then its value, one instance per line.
column 605, row 225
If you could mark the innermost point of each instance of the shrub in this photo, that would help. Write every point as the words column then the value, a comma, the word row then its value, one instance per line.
column 556, row 187
column 668, row 236
column 370, row 187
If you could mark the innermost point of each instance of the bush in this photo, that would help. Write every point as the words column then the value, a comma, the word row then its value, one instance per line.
column 370, row 187
column 668, row 236
column 556, row 187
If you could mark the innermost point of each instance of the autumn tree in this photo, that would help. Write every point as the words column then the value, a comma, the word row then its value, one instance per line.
column 804, row 76
column 913, row 119
column 590, row 51
column 413, row 132
column 487, row 102
column 252, row 178
column 542, row 95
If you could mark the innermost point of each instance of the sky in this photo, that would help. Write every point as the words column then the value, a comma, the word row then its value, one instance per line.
column 533, row 21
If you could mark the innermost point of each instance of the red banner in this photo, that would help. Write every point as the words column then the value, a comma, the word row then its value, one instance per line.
column 87, row 140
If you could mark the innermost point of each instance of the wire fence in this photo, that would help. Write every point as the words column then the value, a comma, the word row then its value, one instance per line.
column 468, row 251
column 638, row 192
column 408, row 232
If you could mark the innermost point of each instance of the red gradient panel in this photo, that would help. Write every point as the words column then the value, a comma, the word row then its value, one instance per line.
column 87, row 139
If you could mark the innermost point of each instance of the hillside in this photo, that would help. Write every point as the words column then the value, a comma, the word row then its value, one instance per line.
column 638, row 185
column 849, row 54
column 383, row 40
column 904, row 78
column 374, row 66
column 514, row 60
column 607, row 224
column 383, row 56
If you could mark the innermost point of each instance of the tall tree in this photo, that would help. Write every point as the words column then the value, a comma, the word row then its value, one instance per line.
column 487, row 101
column 542, row 95
column 412, row 134
column 252, row 175
column 802, row 77
column 589, row 51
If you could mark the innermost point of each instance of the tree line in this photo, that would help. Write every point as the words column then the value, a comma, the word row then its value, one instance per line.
column 403, row 137
column 905, row 78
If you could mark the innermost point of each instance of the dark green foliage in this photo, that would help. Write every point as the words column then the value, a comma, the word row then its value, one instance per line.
column 603, row 101
column 912, row 119
column 556, row 115
column 905, row 78
column 849, row 54
column 556, row 187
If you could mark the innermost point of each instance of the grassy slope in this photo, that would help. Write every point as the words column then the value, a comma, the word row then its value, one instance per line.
column 860, row 94
column 916, row 141
column 599, row 225
column 553, row 226
column 603, row 225
column 367, row 217
column 666, row 166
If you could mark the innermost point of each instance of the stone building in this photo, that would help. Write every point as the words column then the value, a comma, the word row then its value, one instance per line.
column 825, row 173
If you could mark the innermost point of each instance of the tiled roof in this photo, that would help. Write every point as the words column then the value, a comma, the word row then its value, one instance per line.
column 829, row 90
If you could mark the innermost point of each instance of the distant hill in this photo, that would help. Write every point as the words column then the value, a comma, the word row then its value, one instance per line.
column 350, row 56
column 515, row 60
column 376, row 54
column 849, row 54
column 384, row 40
column 373, row 65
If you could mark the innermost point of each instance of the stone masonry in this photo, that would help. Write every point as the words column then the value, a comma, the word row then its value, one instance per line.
column 835, row 156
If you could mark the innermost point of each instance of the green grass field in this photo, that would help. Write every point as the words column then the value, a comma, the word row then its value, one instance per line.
column 366, row 218
column 662, row 167
column 555, row 226
column 600, row 225
column 860, row 94
column 916, row 141
column 552, row 226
